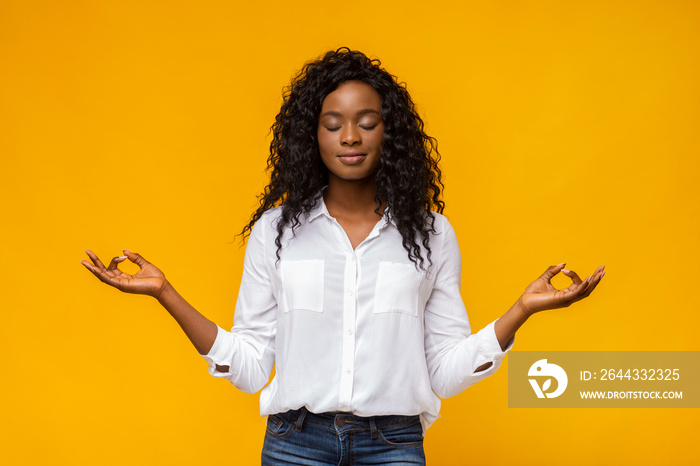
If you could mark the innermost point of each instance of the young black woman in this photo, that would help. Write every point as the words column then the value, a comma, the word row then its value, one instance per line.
column 351, row 280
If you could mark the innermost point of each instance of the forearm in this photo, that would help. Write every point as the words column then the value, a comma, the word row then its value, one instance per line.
column 200, row 330
column 509, row 323
column 505, row 328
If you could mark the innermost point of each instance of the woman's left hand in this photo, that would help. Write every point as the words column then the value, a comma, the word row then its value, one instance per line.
column 541, row 294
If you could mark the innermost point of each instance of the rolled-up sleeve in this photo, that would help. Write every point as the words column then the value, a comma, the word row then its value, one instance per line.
column 453, row 353
column 249, row 348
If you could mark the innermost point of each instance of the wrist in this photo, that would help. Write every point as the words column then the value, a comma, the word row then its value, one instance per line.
column 521, row 310
column 164, row 292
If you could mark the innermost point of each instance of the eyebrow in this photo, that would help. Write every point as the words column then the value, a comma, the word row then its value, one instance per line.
column 364, row 111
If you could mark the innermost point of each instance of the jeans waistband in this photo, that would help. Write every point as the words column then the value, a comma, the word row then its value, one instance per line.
column 346, row 421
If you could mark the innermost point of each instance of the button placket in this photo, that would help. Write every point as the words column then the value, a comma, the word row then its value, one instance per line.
column 349, row 318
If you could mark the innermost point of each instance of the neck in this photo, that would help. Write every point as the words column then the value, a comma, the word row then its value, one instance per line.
column 350, row 197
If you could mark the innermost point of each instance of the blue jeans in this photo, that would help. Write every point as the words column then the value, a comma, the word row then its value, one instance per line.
column 300, row 437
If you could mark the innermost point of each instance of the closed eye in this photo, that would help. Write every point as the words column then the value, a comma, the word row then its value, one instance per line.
column 368, row 128
column 333, row 129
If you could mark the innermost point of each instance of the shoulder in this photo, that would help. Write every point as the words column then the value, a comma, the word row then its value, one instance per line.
column 266, row 224
column 270, row 216
column 440, row 224
column 270, row 220
column 444, row 245
column 443, row 238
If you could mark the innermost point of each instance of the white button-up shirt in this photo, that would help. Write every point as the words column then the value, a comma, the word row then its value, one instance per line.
column 363, row 331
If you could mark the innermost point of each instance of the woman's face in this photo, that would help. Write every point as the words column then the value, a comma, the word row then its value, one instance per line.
column 350, row 130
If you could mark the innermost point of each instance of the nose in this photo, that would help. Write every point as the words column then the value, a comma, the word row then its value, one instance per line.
column 350, row 135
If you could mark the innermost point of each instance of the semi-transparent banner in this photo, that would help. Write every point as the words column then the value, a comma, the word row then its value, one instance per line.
column 604, row 379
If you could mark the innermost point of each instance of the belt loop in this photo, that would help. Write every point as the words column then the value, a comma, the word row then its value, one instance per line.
column 373, row 427
column 300, row 420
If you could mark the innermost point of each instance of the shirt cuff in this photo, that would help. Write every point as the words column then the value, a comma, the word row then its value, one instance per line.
column 220, row 353
column 490, row 349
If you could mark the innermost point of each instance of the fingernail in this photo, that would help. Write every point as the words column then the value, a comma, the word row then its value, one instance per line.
column 563, row 263
column 602, row 275
column 126, row 251
column 565, row 270
column 120, row 258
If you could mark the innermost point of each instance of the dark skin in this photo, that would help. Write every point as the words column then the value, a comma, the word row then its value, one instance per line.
column 356, row 215
column 349, row 137
column 349, row 132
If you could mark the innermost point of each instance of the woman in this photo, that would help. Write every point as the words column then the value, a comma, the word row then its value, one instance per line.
column 351, row 279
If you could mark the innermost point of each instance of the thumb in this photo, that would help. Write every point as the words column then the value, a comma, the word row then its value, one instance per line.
column 136, row 258
column 552, row 270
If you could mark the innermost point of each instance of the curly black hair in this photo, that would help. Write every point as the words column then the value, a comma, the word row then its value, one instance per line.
column 408, row 178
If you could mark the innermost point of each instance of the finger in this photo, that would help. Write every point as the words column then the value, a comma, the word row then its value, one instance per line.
column 573, row 276
column 115, row 262
column 595, row 280
column 589, row 284
column 106, row 276
column 136, row 258
column 88, row 266
column 595, row 275
column 95, row 271
column 92, row 268
column 552, row 270
column 95, row 260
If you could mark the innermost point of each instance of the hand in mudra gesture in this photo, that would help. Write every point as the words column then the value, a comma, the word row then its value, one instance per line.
column 149, row 280
column 541, row 295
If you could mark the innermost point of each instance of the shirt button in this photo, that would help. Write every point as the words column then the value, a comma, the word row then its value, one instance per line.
column 350, row 292
column 350, row 331
column 348, row 371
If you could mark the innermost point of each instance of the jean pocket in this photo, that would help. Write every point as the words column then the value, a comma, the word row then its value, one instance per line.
column 302, row 285
column 408, row 435
column 397, row 288
column 279, row 426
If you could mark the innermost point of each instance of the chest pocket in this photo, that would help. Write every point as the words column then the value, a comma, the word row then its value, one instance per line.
column 397, row 288
column 302, row 285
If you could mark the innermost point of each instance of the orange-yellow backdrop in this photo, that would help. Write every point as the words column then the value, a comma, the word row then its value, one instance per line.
column 569, row 132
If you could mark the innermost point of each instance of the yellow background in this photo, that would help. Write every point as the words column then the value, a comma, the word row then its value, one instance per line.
column 569, row 132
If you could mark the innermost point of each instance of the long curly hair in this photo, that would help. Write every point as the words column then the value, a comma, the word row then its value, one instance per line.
column 407, row 178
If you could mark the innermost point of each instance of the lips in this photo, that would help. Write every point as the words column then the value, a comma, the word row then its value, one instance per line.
column 352, row 158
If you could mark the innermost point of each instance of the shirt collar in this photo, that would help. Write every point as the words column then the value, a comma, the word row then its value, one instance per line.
column 320, row 209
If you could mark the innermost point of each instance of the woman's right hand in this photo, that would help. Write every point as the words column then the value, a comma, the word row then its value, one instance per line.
column 149, row 280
